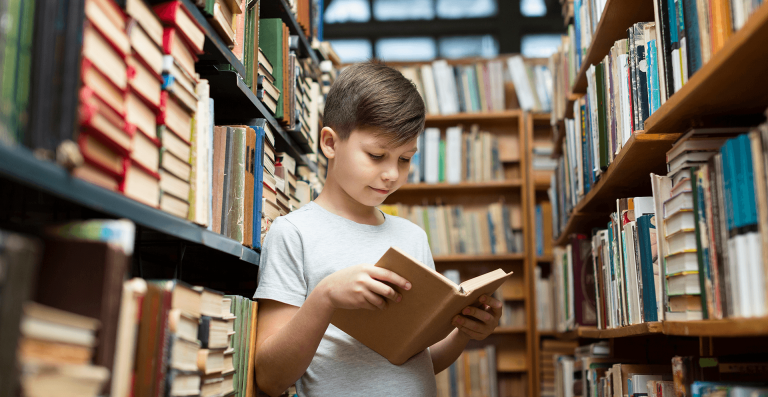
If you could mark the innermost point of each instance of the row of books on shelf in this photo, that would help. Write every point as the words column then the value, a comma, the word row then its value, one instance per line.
column 480, row 87
column 694, row 250
column 655, row 60
column 472, row 374
column 494, row 229
column 687, row 376
column 73, row 326
column 548, row 353
column 461, row 155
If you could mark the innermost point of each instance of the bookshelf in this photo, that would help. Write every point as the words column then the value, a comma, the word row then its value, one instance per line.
column 617, row 17
column 722, row 93
column 512, row 343
column 234, row 103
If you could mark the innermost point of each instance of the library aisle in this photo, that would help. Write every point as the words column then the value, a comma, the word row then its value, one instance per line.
column 612, row 155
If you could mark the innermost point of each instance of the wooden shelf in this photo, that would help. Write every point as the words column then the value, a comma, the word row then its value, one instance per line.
column 545, row 259
column 478, row 258
column 632, row 330
column 510, row 330
column 617, row 17
column 20, row 165
column 539, row 116
column 627, row 176
column 571, row 98
column 735, row 327
column 475, row 117
column 473, row 187
column 732, row 83
column 512, row 370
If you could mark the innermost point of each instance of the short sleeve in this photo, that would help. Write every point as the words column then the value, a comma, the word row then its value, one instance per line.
column 281, row 266
column 428, row 260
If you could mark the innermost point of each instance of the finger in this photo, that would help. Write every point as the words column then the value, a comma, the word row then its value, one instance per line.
column 494, row 303
column 375, row 300
column 472, row 334
column 390, row 277
column 479, row 314
column 465, row 322
column 384, row 290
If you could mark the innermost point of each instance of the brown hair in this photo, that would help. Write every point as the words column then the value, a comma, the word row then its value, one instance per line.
column 375, row 96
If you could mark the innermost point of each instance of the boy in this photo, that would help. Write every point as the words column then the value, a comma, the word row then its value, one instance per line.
column 317, row 259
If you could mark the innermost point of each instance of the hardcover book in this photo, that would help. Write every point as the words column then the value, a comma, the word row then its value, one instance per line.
column 424, row 315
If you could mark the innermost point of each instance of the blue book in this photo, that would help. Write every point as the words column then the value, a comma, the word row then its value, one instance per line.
column 739, row 157
column 258, row 183
column 728, row 180
column 491, row 228
column 654, row 96
column 750, row 204
column 692, row 37
column 577, row 23
column 454, row 381
column 646, row 235
column 539, row 232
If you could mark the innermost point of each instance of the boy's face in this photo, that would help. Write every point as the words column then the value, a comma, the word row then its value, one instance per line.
column 368, row 169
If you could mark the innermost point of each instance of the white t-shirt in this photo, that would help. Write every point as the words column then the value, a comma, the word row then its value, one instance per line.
column 311, row 243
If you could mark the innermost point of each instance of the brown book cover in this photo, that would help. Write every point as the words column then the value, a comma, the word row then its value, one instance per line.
column 423, row 317
column 219, row 159
column 250, row 389
column 83, row 277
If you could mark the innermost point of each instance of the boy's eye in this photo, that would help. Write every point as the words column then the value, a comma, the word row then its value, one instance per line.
column 376, row 157
column 405, row 160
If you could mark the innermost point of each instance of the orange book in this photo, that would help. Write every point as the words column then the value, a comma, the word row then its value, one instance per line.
column 423, row 317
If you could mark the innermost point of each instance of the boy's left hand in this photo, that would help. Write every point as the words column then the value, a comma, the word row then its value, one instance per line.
column 478, row 323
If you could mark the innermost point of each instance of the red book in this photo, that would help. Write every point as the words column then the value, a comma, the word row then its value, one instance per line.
column 173, row 13
column 100, row 119
column 174, row 45
column 101, row 156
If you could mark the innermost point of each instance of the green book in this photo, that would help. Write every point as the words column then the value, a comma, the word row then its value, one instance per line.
column 247, row 53
column 235, row 344
column 699, row 220
column 271, row 43
column 244, row 346
column 441, row 174
column 602, row 130
column 236, row 186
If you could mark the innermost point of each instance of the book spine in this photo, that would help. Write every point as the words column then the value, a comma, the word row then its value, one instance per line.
column 602, row 131
column 692, row 36
column 641, row 76
column 699, row 231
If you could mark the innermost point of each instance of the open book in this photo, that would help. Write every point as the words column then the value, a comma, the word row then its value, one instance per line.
column 423, row 317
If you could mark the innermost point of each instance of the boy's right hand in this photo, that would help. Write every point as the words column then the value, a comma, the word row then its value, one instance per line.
column 362, row 287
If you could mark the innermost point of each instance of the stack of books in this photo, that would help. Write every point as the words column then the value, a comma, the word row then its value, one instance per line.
column 55, row 351
column 473, row 373
column 492, row 230
column 542, row 164
column 450, row 89
column 183, row 39
column 461, row 155
column 106, row 138
column 712, row 203
column 225, row 17
column 267, row 91
column 242, row 348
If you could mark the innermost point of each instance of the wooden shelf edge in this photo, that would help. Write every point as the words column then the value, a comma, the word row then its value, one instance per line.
column 479, row 258
column 729, row 327
column 459, row 117
column 510, row 330
column 491, row 185
column 512, row 370
column 632, row 330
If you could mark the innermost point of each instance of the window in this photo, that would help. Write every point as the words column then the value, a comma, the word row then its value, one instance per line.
column 457, row 9
column 539, row 45
column 533, row 8
column 352, row 50
column 468, row 46
column 398, row 10
column 406, row 49
column 341, row 11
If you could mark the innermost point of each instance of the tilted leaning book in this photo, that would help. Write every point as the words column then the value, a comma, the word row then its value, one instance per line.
column 423, row 317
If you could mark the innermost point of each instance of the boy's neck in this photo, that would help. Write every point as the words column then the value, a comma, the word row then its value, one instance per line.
column 335, row 200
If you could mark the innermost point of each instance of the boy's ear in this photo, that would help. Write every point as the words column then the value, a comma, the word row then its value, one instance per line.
column 328, row 141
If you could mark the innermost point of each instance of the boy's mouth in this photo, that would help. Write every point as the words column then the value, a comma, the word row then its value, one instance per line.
column 381, row 191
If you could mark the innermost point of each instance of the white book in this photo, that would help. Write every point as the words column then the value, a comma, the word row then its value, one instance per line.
column 679, row 221
column 432, row 155
column 690, row 315
column 630, row 272
column 756, row 275
column 643, row 206
column 430, row 92
column 681, row 242
column 523, row 87
column 203, row 132
column 685, row 261
column 625, row 107
column 453, row 155
column 676, row 70
column 743, row 285
column 678, row 202
column 684, row 284
column 445, row 84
